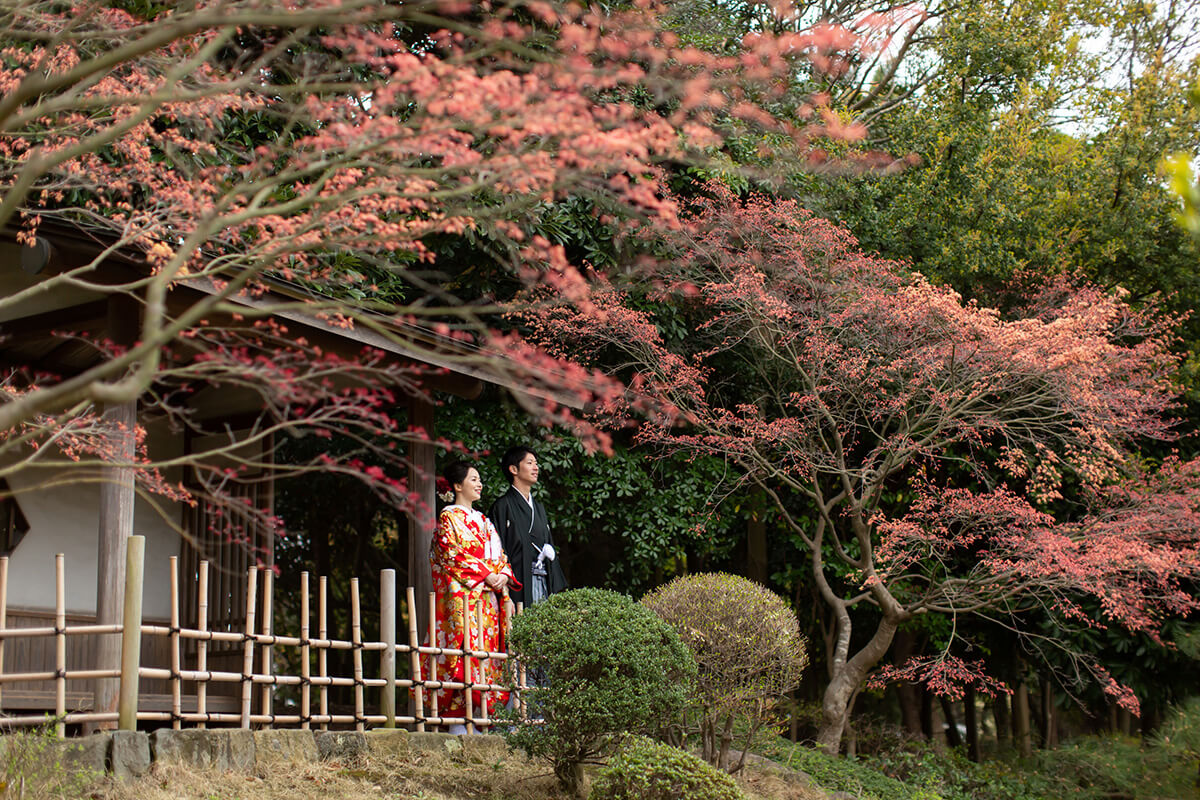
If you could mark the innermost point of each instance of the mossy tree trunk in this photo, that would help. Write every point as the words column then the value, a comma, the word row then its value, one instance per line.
column 1000, row 712
column 1021, row 730
column 953, row 738
column 971, row 719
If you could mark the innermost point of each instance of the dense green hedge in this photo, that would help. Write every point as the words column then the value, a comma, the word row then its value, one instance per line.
column 643, row 769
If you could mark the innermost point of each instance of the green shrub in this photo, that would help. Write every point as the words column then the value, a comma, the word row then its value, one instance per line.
column 610, row 666
column 835, row 773
column 954, row 777
column 34, row 763
column 1179, row 739
column 644, row 769
column 748, row 649
column 1101, row 767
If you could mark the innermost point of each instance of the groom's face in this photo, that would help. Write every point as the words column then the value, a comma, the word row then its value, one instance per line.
column 527, row 469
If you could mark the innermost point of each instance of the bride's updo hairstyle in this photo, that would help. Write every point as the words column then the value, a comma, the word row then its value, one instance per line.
column 456, row 472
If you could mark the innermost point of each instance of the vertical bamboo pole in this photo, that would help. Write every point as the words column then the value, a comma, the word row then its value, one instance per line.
column 268, row 617
column 201, row 645
column 469, row 694
column 387, row 632
column 323, row 652
column 176, row 684
column 414, row 659
column 131, row 633
column 3, row 609
column 483, row 672
column 248, row 651
column 305, row 667
column 433, row 657
column 60, row 645
column 523, row 712
column 356, row 653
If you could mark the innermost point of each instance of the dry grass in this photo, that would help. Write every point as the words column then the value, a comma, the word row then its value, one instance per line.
column 417, row 776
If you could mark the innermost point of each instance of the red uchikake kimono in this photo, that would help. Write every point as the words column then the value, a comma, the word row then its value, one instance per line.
column 465, row 550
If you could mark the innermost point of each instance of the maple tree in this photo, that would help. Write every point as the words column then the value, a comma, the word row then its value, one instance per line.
column 279, row 159
column 933, row 456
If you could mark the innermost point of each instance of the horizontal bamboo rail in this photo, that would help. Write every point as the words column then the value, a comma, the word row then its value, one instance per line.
column 259, row 642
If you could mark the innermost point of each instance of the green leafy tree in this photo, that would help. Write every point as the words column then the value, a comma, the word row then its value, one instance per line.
column 610, row 667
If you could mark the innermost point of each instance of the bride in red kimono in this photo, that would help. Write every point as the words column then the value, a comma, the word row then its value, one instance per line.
column 469, row 570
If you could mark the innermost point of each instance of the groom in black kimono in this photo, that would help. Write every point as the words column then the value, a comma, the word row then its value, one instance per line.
column 524, row 531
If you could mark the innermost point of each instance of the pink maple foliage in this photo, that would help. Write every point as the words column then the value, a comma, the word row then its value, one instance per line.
column 245, row 151
column 832, row 379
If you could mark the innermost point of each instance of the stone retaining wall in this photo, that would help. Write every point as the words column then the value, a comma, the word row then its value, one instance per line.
column 128, row 754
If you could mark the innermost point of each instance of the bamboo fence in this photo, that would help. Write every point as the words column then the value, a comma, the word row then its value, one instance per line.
column 259, row 641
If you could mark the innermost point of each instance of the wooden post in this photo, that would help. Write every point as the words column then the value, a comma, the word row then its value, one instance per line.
column 387, row 632
column 433, row 670
column 131, row 633
column 116, row 526
column 60, row 645
column 176, row 684
column 485, row 695
column 202, row 646
column 469, row 694
column 521, row 698
column 422, row 480
column 305, row 667
column 3, row 610
column 268, row 616
column 414, row 660
column 322, row 653
column 248, row 651
column 356, row 653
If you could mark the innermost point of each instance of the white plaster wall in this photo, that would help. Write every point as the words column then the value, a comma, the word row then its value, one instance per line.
column 62, row 508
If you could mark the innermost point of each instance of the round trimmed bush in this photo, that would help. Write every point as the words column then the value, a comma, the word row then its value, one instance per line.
column 606, row 666
column 644, row 769
column 749, row 654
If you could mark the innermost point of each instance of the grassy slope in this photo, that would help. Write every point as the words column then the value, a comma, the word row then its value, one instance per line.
column 419, row 776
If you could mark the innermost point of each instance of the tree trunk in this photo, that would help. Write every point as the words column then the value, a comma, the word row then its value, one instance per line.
column 1000, row 713
column 952, row 736
column 756, row 549
column 908, row 692
column 1049, row 734
column 927, row 714
column 726, row 738
column 847, row 678
column 570, row 777
column 971, row 719
column 1149, row 720
column 1021, row 731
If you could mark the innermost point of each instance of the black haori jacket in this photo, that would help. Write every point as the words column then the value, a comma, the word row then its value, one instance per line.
column 523, row 535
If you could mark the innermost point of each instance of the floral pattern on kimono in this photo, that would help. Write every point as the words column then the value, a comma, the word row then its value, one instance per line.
column 465, row 550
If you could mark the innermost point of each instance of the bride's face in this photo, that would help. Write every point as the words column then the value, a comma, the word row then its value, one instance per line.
column 471, row 489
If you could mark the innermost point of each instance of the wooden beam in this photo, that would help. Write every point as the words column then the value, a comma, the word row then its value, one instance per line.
column 73, row 319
